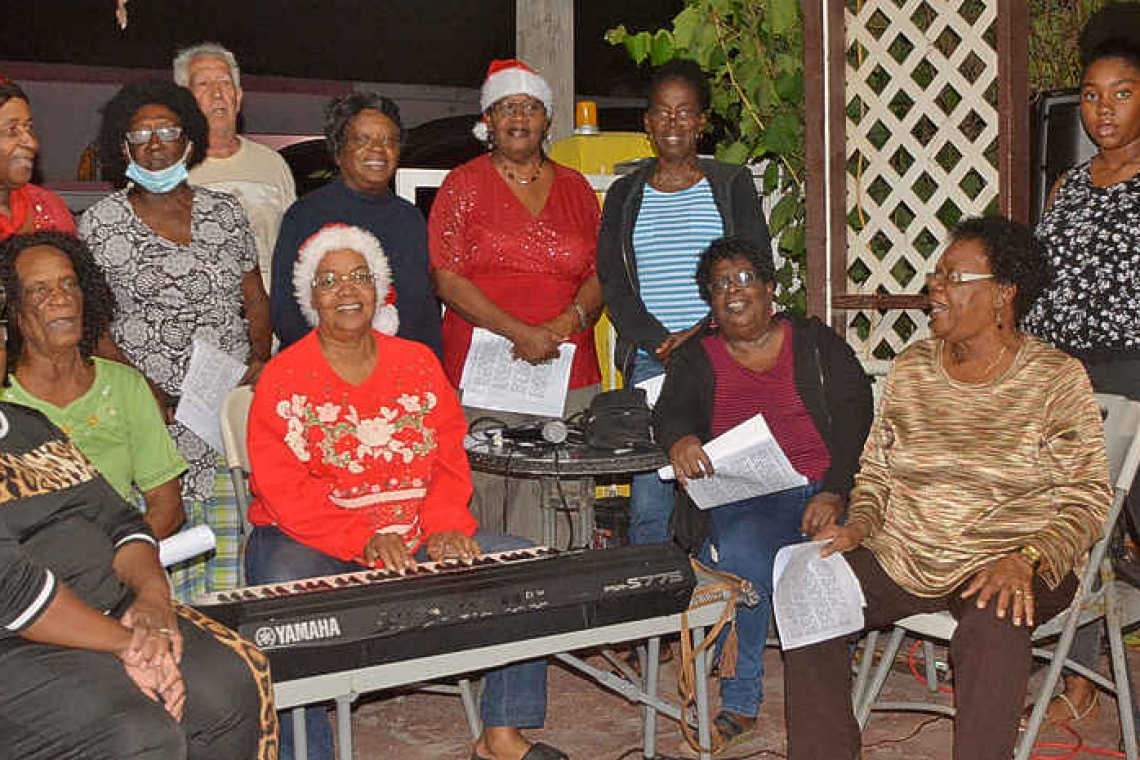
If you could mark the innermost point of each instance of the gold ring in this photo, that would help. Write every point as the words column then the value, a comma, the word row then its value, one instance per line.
column 1018, row 592
column 164, row 631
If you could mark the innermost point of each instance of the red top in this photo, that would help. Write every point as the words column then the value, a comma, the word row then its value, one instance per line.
column 741, row 394
column 530, row 266
column 333, row 463
column 35, row 210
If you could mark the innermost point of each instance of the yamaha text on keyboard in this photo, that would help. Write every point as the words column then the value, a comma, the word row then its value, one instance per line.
column 372, row 617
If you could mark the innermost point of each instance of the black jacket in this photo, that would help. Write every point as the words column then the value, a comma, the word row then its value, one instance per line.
column 831, row 384
column 736, row 199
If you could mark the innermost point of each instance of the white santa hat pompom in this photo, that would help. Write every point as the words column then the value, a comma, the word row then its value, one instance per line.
column 336, row 237
column 511, row 77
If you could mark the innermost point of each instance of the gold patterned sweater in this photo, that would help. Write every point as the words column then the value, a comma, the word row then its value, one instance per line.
column 955, row 474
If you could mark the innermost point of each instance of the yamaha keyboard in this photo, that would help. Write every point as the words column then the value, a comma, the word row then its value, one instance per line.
column 372, row 617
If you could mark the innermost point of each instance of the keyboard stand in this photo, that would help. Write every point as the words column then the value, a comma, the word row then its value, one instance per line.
column 344, row 687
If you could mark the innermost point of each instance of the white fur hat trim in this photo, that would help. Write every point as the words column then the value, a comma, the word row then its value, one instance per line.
column 511, row 77
column 335, row 237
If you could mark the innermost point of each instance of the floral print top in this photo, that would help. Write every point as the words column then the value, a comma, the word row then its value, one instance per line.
column 333, row 463
column 169, row 294
column 1092, row 309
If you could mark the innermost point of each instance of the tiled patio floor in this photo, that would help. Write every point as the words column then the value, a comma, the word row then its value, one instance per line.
column 591, row 723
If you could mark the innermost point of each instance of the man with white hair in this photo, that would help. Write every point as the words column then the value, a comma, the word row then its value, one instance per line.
column 255, row 174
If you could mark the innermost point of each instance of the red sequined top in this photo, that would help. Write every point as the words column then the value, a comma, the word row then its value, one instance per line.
column 35, row 210
column 333, row 463
column 530, row 266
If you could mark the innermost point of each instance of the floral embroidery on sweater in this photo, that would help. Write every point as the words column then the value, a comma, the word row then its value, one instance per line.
column 344, row 439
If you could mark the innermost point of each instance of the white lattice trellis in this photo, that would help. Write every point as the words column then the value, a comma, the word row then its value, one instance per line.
column 922, row 132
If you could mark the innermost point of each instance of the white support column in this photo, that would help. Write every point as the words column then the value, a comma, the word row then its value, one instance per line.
column 544, row 39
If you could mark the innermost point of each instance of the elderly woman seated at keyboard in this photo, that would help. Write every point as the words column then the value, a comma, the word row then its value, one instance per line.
column 356, row 446
column 982, row 484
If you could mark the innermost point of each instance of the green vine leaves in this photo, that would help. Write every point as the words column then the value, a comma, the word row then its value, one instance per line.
column 752, row 51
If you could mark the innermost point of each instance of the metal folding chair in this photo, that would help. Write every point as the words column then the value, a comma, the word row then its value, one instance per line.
column 1122, row 443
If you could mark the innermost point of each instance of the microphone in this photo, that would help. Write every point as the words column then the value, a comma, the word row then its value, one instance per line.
column 551, row 431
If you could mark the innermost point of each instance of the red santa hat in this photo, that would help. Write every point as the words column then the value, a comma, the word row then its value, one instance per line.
column 336, row 237
column 511, row 77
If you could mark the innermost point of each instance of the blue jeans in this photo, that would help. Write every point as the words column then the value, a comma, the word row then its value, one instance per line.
column 514, row 695
column 650, row 497
column 746, row 536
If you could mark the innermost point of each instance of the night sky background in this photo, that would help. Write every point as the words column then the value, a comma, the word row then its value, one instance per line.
column 438, row 42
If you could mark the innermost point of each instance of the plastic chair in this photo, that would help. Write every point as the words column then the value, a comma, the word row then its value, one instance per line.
column 1122, row 444
column 234, row 418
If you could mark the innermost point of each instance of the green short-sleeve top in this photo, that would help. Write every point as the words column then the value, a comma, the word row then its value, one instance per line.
column 116, row 424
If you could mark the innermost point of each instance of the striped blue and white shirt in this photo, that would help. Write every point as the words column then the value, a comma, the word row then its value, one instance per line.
column 670, row 232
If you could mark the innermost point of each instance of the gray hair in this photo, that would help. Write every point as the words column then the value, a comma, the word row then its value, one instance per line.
column 184, row 56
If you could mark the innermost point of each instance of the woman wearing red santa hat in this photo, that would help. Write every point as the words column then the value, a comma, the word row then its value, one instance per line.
column 512, row 237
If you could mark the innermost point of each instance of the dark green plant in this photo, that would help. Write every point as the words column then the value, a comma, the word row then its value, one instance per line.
column 752, row 51
column 1054, row 26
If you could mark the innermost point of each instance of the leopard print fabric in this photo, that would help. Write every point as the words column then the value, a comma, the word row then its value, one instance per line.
column 52, row 466
column 258, row 664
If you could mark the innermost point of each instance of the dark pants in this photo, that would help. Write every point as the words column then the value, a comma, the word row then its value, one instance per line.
column 60, row 704
column 991, row 659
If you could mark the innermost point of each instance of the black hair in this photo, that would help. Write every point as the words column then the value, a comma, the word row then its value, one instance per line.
column 9, row 90
column 1016, row 257
column 1112, row 48
column 687, row 73
column 98, row 299
column 120, row 109
column 340, row 111
column 727, row 249
column 1112, row 32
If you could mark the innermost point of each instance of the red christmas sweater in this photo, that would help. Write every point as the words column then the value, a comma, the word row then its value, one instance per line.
column 333, row 463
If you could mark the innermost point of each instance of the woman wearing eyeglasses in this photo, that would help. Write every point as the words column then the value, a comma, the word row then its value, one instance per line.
column 24, row 208
column 356, row 447
column 982, row 484
column 512, row 237
column 182, row 264
column 816, row 400
column 655, row 223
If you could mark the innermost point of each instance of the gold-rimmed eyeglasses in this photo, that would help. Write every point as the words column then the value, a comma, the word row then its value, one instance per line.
column 526, row 108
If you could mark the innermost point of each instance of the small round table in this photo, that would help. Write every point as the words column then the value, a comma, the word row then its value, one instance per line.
column 554, row 463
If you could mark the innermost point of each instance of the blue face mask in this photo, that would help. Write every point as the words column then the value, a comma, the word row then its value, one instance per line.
column 161, row 181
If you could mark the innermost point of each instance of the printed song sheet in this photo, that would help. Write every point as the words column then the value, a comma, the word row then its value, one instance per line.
column 493, row 380
column 747, row 462
column 815, row 598
column 211, row 376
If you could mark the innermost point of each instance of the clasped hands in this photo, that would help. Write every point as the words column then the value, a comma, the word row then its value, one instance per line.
column 389, row 550
column 153, row 652
column 536, row 344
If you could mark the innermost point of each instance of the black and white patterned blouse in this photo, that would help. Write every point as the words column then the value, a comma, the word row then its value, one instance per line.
column 1093, row 239
column 168, row 294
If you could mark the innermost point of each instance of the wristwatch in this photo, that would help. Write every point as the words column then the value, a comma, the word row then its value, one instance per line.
column 1030, row 554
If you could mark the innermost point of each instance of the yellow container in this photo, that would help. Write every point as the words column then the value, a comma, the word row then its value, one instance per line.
column 597, row 154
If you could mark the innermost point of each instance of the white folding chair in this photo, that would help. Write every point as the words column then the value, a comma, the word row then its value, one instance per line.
column 1122, row 444
column 234, row 418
